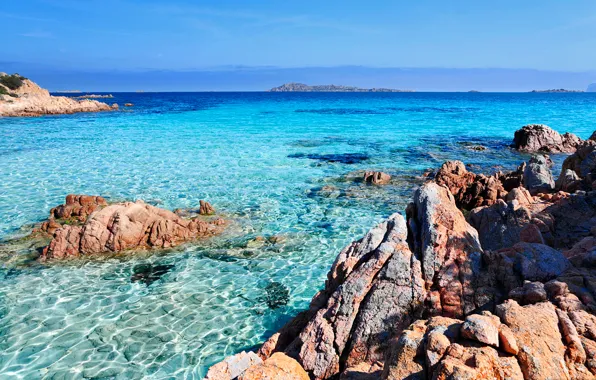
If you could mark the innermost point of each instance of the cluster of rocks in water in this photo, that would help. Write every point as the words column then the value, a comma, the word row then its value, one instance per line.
column 486, row 277
column 87, row 225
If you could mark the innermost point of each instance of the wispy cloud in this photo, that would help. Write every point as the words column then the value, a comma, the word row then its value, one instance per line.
column 26, row 18
column 253, row 19
column 37, row 34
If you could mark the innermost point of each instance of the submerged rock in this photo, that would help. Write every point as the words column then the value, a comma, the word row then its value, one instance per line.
column 149, row 273
column 376, row 178
column 536, row 138
column 276, row 295
column 345, row 158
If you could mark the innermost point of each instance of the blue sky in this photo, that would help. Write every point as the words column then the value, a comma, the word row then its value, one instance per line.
column 184, row 35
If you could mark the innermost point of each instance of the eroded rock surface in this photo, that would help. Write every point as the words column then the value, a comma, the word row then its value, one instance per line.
column 376, row 178
column 469, row 190
column 117, row 227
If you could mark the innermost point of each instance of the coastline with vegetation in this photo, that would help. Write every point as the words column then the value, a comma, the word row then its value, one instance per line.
column 20, row 96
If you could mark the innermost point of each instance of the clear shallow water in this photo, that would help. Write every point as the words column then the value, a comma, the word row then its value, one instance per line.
column 259, row 159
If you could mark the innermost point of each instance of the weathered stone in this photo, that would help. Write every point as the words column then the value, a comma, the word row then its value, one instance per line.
column 402, row 362
column 124, row 226
column 206, row 208
column 476, row 363
column 568, row 181
column 278, row 367
column 531, row 292
column 537, row 262
column 232, row 366
column 376, row 178
column 468, row 189
column 521, row 195
column 483, row 328
column 540, row 138
column 538, row 177
column 536, row 328
column 507, row 340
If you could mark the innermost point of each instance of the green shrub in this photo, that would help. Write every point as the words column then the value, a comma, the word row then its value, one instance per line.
column 13, row 81
column 3, row 90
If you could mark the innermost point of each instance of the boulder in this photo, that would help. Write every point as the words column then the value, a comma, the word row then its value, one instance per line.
column 537, row 175
column 568, row 181
column 482, row 328
column 535, row 138
column 462, row 362
column 126, row 226
column 376, row 178
column 536, row 262
column 278, row 367
column 469, row 190
column 233, row 366
column 582, row 163
column 206, row 208
column 536, row 329
column 434, row 349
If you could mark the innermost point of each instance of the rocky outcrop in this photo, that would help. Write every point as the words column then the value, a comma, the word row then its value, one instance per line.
column 507, row 293
column 583, row 164
column 470, row 190
column 382, row 283
column 376, row 178
column 31, row 100
column 87, row 225
column 536, row 138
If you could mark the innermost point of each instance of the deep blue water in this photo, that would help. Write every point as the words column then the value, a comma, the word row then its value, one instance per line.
column 261, row 159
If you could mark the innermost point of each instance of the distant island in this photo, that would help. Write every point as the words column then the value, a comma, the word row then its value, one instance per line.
column 556, row 90
column 300, row 87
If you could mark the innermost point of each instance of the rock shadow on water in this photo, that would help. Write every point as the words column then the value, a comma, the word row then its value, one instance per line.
column 149, row 273
column 342, row 158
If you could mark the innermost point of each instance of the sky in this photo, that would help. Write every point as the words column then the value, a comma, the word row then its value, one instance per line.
column 106, row 38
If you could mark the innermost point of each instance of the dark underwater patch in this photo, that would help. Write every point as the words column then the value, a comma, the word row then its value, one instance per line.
column 344, row 111
column 276, row 295
column 343, row 158
column 431, row 109
column 149, row 273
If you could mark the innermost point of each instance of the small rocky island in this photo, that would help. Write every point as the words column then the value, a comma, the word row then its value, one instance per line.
column 555, row 90
column 300, row 87
column 20, row 96
column 482, row 277
column 88, row 225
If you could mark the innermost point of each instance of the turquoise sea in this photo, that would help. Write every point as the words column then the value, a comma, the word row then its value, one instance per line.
column 276, row 165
